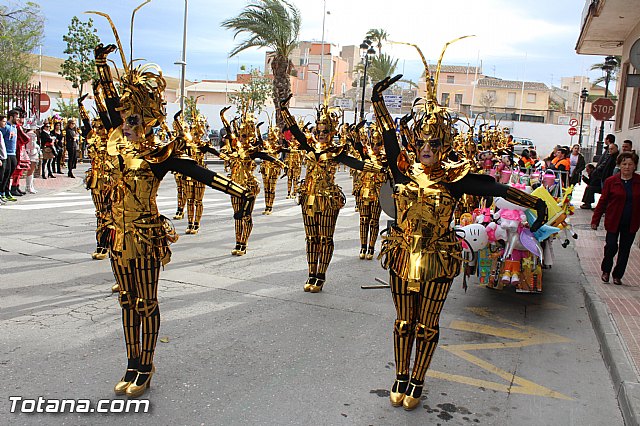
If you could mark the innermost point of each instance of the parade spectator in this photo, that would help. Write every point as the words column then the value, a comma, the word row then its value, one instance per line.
column 3, row 161
column 58, row 143
column 598, row 176
column 48, row 151
column 610, row 166
column 71, row 141
column 578, row 164
column 621, row 200
column 33, row 151
column 525, row 161
column 562, row 165
column 10, row 134
column 627, row 146
column 22, row 158
column 552, row 157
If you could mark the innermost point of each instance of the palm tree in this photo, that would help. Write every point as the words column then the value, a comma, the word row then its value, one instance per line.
column 274, row 24
column 381, row 66
column 377, row 36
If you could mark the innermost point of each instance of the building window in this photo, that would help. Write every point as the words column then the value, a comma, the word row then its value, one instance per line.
column 458, row 99
column 451, row 79
column 445, row 99
column 531, row 98
column 511, row 99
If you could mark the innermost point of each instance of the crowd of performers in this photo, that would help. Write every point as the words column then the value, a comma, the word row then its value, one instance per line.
column 133, row 148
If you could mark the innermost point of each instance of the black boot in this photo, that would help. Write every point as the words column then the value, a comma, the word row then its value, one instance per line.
column 15, row 192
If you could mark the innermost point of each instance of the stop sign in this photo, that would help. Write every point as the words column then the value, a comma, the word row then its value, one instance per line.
column 45, row 103
column 603, row 109
column 573, row 131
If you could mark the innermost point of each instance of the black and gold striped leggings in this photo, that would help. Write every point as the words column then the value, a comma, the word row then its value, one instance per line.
column 418, row 319
column 319, row 229
column 369, row 221
column 244, row 225
column 194, row 193
column 269, row 179
column 138, row 280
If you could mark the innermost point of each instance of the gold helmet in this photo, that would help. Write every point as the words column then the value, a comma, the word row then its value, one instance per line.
column 432, row 123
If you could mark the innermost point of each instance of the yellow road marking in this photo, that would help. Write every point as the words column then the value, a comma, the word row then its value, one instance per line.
column 520, row 336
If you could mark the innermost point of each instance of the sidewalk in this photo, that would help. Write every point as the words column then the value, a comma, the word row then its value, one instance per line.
column 60, row 183
column 614, row 310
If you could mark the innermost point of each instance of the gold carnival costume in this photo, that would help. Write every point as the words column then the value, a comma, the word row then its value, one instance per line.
column 178, row 129
column 320, row 197
column 271, row 170
column 240, row 149
column 293, row 166
column 139, row 236
column 366, row 189
column 196, row 148
column 421, row 251
column 98, row 176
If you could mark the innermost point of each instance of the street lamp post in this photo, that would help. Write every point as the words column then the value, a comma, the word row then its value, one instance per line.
column 366, row 50
column 609, row 65
column 583, row 95
column 183, row 61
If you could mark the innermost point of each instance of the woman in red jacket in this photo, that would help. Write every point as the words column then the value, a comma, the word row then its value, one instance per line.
column 621, row 200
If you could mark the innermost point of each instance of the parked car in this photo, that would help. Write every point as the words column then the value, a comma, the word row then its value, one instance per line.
column 521, row 144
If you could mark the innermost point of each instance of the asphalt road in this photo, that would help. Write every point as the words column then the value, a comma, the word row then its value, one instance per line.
column 243, row 344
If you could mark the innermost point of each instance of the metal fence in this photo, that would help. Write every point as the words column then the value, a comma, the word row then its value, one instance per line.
column 25, row 96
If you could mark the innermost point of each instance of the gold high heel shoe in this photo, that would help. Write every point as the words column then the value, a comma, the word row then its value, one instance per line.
column 369, row 255
column 115, row 288
column 121, row 387
column 317, row 287
column 242, row 250
column 236, row 250
column 134, row 390
column 99, row 254
column 397, row 396
column 363, row 252
column 195, row 229
column 311, row 281
column 412, row 397
column 179, row 214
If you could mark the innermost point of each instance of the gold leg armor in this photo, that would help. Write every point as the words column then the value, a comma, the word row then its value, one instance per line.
column 138, row 280
column 312, row 237
column 328, row 219
column 374, row 225
column 188, row 188
column 432, row 299
column 181, row 195
column 404, row 326
column 125, row 278
column 245, row 224
column 365, row 218
column 198, row 196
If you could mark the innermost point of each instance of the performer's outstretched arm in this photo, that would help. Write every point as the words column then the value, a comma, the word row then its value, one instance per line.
column 485, row 185
column 291, row 125
column 391, row 145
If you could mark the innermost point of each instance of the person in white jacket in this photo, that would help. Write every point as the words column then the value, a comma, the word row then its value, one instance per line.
column 33, row 150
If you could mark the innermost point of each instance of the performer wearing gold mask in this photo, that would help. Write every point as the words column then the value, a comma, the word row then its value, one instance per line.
column 320, row 198
column 241, row 148
column 139, row 234
column 366, row 189
column 421, row 251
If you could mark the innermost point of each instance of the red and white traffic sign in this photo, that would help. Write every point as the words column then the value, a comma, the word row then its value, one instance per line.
column 573, row 131
column 573, row 122
column 45, row 103
column 603, row 109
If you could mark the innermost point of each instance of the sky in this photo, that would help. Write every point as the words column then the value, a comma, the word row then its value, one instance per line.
column 514, row 40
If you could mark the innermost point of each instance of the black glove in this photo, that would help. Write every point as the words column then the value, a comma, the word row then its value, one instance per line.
column 284, row 103
column 541, row 210
column 383, row 85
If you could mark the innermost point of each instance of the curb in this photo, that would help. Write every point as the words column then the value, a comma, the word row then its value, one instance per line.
column 614, row 353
